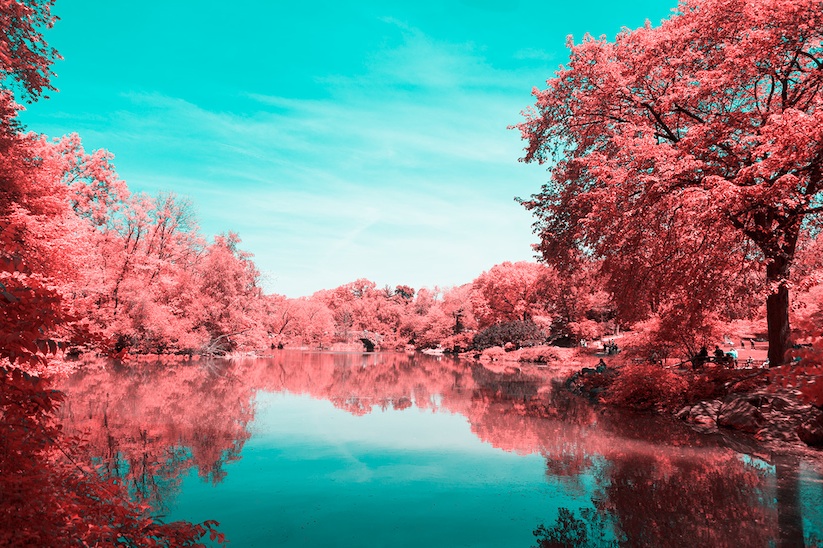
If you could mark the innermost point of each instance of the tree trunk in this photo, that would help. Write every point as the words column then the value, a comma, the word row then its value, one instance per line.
column 777, row 311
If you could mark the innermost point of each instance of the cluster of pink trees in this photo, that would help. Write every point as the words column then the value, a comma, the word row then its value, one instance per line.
column 113, row 271
column 451, row 318
column 129, row 271
column 687, row 158
column 133, row 267
column 72, row 243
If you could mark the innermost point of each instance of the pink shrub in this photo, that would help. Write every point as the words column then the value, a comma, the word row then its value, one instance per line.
column 646, row 386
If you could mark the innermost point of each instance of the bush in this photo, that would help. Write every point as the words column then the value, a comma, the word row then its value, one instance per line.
column 807, row 379
column 646, row 386
column 519, row 333
column 493, row 353
column 540, row 354
column 458, row 343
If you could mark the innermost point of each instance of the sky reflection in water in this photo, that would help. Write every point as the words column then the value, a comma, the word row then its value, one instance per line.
column 385, row 449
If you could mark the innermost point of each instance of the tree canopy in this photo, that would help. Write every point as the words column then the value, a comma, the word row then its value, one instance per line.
column 688, row 156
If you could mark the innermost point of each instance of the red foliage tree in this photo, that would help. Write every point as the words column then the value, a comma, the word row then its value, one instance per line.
column 510, row 292
column 688, row 152
column 298, row 322
column 25, row 58
column 227, row 282
column 48, row 495
column 32, row 307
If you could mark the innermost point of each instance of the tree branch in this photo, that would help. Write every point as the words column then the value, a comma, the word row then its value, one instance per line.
column 817, row 61
column 688, row 113
column 668, row 132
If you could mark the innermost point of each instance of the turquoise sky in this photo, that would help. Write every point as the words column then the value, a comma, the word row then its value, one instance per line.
column 340, row 139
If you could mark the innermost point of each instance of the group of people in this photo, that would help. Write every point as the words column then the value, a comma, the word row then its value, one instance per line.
column 728, row 359
column 725, row 357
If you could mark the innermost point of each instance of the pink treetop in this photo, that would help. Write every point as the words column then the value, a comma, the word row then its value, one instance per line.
column 702, row 137
column 509, row 292
column 24, row 55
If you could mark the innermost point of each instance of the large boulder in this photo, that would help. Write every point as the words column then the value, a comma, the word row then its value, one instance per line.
column 704, row 413
column 739, row 414
column 811, row 431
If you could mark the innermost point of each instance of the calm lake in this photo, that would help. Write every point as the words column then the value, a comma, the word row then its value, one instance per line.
column 385, row 449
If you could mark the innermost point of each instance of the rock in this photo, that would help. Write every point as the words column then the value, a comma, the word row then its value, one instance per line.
column 704, row 413
column 740, row 415
column 780, row 403
column 757, row 400
column 811, row 431
column 684, row 413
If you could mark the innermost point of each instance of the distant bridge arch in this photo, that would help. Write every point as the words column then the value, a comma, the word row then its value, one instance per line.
column 371, row 341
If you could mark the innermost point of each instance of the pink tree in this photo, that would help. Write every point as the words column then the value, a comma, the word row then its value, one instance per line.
column 689, row 152
column 298, row 322
column 25, row 58
column 229, row 296
column 457, row 305
column 510, row 292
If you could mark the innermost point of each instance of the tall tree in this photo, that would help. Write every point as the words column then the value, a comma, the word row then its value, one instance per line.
column 510, row 292
column 700, row 138
column 25, row 58
column 228, row 285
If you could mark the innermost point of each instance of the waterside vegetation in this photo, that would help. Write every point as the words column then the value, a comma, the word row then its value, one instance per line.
column 683, row 210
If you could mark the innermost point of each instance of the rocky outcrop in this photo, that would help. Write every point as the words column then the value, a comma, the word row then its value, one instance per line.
column 703, row 414
column 770, row 416
column 811, row 431
column 739, row 414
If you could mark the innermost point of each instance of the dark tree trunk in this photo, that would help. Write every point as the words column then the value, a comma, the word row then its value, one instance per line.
column 777, row 312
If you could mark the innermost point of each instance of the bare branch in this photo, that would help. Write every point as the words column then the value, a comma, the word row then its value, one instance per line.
column 668, row 132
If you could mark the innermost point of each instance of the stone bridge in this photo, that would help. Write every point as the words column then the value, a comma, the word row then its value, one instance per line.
column 370, row 340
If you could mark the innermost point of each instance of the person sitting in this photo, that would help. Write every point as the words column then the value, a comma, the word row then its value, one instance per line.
column 700, row 358
column 718, row 353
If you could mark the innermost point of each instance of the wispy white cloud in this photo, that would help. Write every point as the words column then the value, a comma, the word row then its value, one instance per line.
column 404, row 173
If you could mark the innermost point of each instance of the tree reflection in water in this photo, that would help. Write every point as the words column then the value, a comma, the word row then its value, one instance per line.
column 150, row 424
column 657, row 483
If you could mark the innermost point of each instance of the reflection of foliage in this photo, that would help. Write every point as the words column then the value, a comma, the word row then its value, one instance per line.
column 646, row 493
column 656, row 500
column 714, row 501
column 570, row 532
column 148, row 426
column 519, row 333
column 49, row 496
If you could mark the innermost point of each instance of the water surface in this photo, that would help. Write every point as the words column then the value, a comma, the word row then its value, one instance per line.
column 323, row 449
